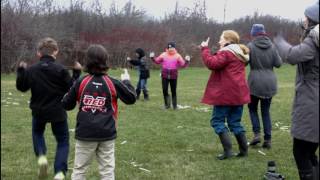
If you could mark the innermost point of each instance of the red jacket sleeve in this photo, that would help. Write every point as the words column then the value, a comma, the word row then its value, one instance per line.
column 216, row 61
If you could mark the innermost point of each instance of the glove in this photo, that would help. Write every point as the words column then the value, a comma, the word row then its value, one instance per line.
column 188, row 58
column 151, row 55
column 128, row 59
column 125, row 76
column 205, row 43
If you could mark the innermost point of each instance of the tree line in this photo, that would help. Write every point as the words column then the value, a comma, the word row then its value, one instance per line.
column 120, row 30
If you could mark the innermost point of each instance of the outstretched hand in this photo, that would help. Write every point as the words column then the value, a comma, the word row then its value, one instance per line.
column 77, row 66
column 205, row 43
column 151, row 55
column 187, row 58
column 125, row 75
column 23, row 64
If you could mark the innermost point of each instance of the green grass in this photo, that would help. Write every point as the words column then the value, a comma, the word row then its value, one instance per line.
column 177, row 145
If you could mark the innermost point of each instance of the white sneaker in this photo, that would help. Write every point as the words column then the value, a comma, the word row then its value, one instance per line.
column 59, row 176
column 43, row 167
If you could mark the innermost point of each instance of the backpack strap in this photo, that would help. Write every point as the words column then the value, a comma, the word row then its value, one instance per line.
column 113, row 92
column 82, row 86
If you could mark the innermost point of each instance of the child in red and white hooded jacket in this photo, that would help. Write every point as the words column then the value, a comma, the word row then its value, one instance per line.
column 171, row 61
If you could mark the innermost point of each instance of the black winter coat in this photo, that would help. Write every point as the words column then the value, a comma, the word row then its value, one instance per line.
column 48, row 81
column 143, row 67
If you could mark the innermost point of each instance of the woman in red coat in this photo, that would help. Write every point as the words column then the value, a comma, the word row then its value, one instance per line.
column 227, row 89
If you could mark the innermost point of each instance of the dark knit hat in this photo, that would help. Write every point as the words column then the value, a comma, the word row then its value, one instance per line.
column 257, row 29
column 141, row 53
column 171, row 45
column 312, row 12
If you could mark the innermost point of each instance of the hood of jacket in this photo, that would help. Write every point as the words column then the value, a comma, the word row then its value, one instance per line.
column 236, row 50
column 262, row 42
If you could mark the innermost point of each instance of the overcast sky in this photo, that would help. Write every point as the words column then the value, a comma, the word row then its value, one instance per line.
column 291, row 9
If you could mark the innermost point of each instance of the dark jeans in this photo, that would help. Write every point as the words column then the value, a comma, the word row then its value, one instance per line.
column 61, row 132
column 265, row 113
column 233, row 115
column 304, row 153
column 173, row 87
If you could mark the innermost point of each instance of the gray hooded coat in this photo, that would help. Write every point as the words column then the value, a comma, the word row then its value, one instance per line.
column 305, row 113
column 263, row 57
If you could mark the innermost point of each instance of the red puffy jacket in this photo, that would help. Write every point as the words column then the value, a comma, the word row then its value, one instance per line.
column 227, row 84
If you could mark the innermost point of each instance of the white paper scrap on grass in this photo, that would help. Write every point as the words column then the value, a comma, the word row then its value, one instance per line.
column 123, row 142
column 203, row 109
column 71, row 130
column 146, row 170
column 261, row 152
column 10, row 93
column 284, row 127
column 183, row 107
column 16, row 103
column 179, row 127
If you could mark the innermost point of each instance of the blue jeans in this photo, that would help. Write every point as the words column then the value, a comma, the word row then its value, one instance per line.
column 142, row 84
column 61, row 132
column 265, row 113
column 233, row 115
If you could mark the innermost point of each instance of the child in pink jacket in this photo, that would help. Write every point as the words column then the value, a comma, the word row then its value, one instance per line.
column 171, row 61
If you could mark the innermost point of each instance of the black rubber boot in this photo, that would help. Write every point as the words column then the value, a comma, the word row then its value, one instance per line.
column 306, row 174
column 242, row 142
column 167, row 102
column 145, row 95
column 227, row 146
column 256, row 139
column 174, row 102
column 138, row 93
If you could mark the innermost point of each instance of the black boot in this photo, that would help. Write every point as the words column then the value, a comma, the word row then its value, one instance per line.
column 242, row 142
column 167, row 102
column 266, row 144
column 138, row 93
column 256, row 139
column 174, row 102
column 306, row 174
column 227, row 146
column 145, row 95
column 315, row 170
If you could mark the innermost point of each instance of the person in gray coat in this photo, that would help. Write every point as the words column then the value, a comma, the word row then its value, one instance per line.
column 305, row 113
column 262, row 82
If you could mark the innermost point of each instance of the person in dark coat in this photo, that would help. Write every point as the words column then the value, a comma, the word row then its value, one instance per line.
column 227, row 90
column 262, row 82
column 48, row 81
column 305, row 113
column 144, row 73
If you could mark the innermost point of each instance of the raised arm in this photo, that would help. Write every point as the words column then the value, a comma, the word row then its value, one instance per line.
column 22, row 81
column 125, row 91
column 216, row 61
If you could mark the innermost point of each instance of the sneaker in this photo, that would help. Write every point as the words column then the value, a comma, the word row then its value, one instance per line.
column 59, row 176
column 43, row 167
